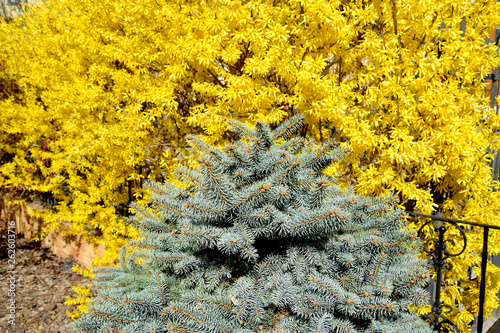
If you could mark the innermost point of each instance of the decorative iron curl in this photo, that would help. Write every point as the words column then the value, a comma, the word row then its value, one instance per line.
column 440, row 322
column 443, row 245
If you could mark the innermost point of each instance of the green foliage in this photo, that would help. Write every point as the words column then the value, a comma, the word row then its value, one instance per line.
column 261, row 239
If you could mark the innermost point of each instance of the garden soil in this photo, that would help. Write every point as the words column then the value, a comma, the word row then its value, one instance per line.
column 43, row 283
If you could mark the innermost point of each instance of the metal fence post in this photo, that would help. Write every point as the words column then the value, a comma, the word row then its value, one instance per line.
column 482, row 286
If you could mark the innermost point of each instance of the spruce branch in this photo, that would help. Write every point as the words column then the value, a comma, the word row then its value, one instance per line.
column 288, row 128
column 261, row 240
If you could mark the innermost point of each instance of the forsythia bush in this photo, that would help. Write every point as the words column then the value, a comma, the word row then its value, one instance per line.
column 108, row 89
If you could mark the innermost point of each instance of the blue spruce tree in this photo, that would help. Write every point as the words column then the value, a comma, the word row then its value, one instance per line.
column 261, row 240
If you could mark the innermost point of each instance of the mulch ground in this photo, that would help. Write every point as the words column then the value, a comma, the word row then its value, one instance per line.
column 43, row 282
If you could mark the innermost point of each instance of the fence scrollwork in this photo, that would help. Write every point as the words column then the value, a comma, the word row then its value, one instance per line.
column 437, row 249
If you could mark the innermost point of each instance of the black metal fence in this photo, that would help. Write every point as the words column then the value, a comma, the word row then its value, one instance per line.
column 438, row 251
